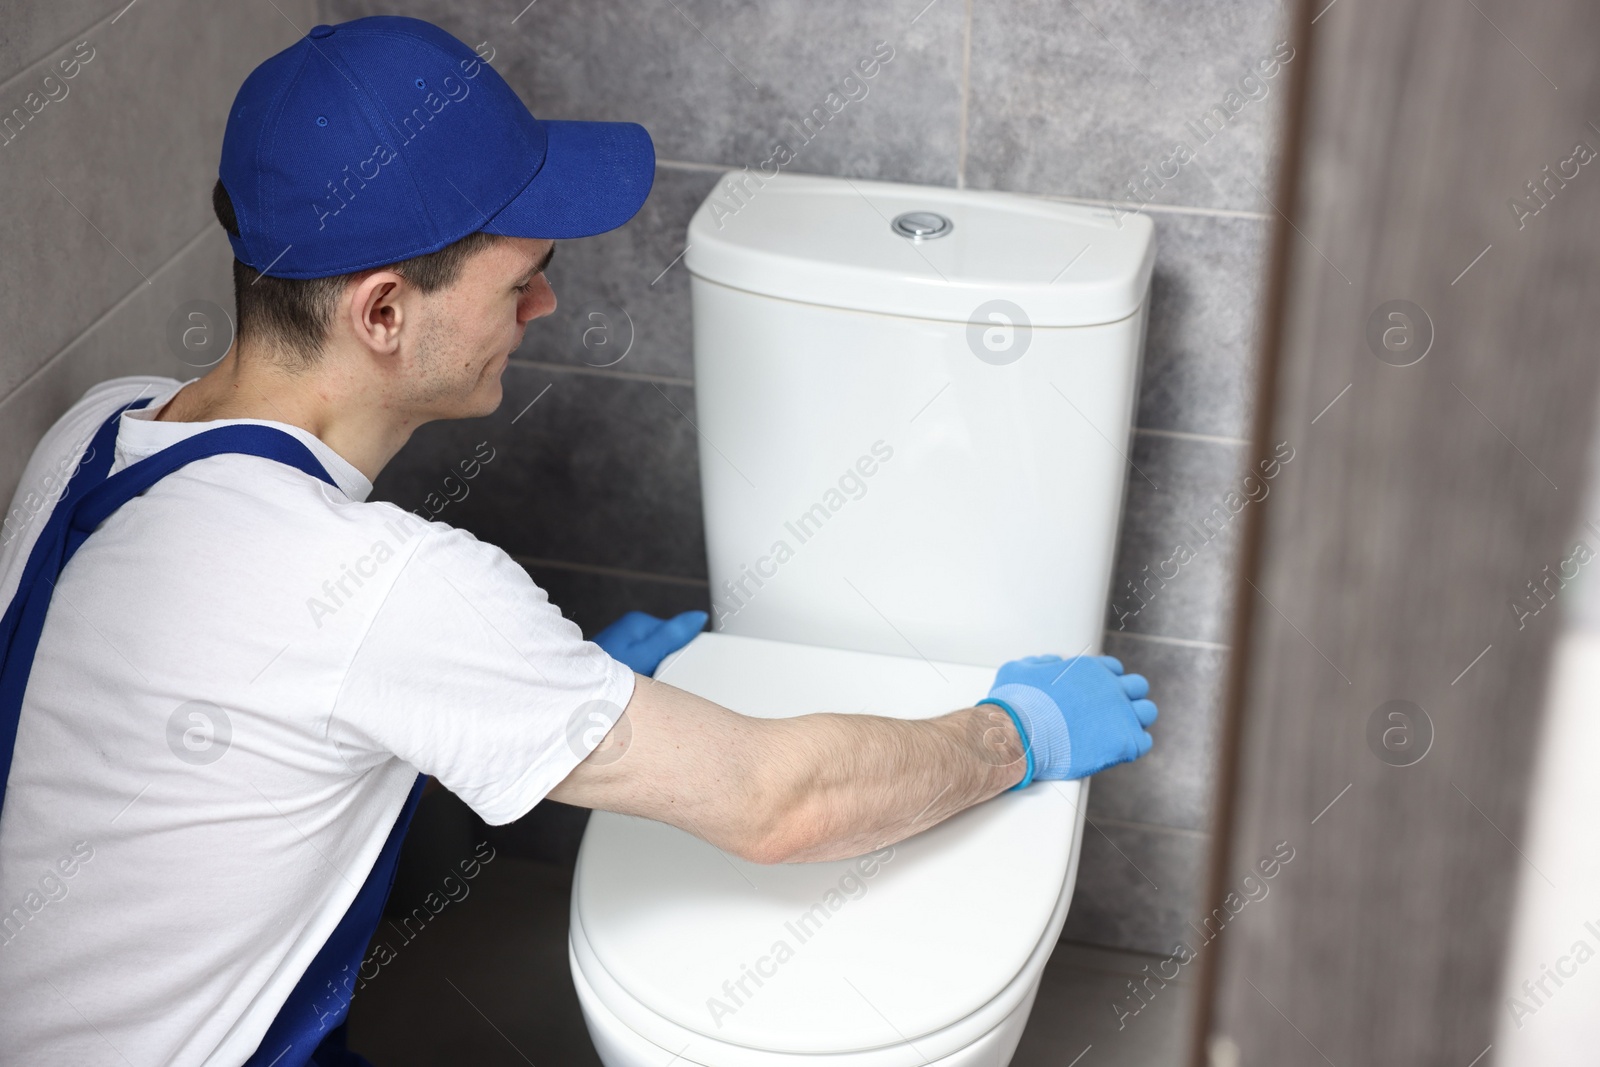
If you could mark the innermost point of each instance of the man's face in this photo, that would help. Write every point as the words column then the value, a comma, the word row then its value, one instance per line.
column 469, row 329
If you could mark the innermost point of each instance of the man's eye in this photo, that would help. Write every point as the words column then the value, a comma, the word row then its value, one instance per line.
column 525, row 286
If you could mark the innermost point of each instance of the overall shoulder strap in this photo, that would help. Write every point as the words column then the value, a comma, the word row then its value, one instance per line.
column 90, row 499
column 310, row 1026
column 91, row 471
column 268, row 442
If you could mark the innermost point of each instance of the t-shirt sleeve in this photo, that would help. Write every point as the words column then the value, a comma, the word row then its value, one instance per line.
column 468, row 673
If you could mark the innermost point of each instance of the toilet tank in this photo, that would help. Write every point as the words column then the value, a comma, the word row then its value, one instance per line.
column 913, row 442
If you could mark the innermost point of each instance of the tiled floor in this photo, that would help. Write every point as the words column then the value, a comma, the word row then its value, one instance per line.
column 486, row 983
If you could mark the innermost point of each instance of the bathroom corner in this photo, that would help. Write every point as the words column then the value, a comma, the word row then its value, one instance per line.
column 592, row 476
column 598, row 493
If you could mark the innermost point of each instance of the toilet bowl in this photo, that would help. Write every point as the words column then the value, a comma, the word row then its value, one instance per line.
column 926, row 952
column 914, row 408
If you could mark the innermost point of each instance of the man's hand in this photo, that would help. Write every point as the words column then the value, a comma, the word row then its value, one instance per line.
column 1078, row 716
column 642, row 641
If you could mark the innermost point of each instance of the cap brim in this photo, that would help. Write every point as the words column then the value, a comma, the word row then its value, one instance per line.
column 595, row 177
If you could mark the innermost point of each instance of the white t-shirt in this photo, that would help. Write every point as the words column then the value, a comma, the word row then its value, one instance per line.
column 241, row 674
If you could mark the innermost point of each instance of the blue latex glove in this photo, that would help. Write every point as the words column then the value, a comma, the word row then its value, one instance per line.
column 1076, row 716
column 642, row 641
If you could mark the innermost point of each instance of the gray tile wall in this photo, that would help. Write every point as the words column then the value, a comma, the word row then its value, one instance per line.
column 594, row 487
column 106, row 182
column 597, row 490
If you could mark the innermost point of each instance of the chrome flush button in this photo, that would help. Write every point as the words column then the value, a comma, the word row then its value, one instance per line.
column 922, row 225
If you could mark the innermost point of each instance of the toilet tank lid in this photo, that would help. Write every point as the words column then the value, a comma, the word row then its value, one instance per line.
column 831, row 241
column 826, row 957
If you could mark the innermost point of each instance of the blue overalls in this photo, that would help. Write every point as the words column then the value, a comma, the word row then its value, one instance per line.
column 304, row 1032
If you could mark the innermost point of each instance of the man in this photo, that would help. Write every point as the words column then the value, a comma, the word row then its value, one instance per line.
column 224, row 668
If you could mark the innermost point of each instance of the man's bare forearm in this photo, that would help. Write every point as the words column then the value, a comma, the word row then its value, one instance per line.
column 813, row 787
column 863, row 782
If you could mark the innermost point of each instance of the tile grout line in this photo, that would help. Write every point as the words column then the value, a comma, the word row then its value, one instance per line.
column 1163, row 639
column 1133, row 208
column 688, row 383
column 610, row 572
column 49, row 53
column 1185, row 435
column 602, row 372
column 1110, row 968
column 678, row 579
column 125, row 299
column 964, row 119
column 684, row 164
column 1142, row 825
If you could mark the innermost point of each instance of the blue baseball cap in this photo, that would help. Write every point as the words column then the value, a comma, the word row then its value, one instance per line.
column 382, row 138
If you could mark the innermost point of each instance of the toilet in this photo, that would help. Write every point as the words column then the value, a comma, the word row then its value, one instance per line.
column 915, row 407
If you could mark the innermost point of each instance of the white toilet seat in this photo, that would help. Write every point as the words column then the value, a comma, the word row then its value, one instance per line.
column 986, row 1037
column 933, row 949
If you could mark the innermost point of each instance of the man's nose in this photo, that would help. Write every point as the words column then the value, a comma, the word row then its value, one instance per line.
column 540, row 301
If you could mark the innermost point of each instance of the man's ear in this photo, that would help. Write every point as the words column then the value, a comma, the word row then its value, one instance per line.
column 376, row 316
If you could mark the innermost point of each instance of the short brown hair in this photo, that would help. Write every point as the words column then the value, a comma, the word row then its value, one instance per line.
column 294, row 314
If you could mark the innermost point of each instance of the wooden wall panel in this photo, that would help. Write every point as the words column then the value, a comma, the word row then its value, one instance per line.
column 1422, row 500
